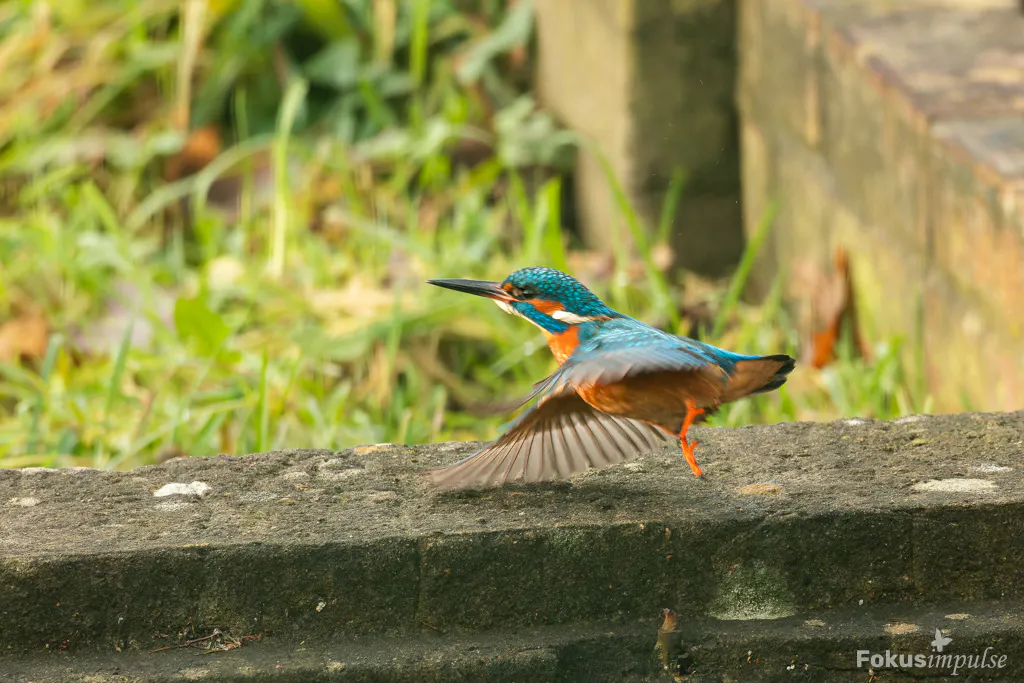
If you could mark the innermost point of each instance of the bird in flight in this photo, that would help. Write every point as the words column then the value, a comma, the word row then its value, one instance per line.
column 622, row 387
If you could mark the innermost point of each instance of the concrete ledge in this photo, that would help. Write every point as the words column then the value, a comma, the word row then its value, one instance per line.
column 794, row 522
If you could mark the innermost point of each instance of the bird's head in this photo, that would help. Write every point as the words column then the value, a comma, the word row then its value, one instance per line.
column 546, row 297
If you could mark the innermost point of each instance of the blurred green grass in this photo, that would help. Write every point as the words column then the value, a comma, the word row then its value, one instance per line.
column 274, row 297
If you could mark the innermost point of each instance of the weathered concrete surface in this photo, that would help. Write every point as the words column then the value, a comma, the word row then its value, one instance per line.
column 793, row 521
column 650, row 85
column 896, row 131
column 786, row 649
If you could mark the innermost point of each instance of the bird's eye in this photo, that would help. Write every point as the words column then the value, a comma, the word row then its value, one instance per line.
column 516, row 292
column 524, row 292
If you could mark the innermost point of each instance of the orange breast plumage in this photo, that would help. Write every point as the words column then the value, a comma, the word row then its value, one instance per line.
column 563, row 344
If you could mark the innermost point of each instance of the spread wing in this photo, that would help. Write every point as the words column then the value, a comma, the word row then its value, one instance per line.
column 632, row 348
column 559, row 437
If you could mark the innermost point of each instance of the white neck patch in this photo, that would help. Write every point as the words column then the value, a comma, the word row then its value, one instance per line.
column 562, row 316
column 571, row 318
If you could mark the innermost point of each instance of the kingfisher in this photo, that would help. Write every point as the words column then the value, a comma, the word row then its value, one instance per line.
column 621, row 389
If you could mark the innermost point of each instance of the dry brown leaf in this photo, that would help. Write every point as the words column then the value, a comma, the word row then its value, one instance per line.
column 669, row 641
column 467, row 152
column 831, row 307
column 225, row 194
column 24, row 336
column 202, row 146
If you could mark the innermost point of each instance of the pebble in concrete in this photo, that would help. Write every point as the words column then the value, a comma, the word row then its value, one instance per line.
column 956, row 485
column 763, row 489
column 384, row 497
column 900, row 629
column 54, row 470
column 337, row 468
column 196, row 488
column 373, row 448
column 24, row 502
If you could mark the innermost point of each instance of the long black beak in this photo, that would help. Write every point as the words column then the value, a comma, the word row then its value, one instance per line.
column 491, row 290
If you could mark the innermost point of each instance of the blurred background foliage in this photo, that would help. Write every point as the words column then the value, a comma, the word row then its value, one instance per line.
column 216, row 219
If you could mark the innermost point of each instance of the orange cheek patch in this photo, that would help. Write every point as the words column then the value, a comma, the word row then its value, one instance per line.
column 547, row 307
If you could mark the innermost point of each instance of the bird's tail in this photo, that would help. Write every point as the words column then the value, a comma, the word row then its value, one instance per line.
column 758, row 375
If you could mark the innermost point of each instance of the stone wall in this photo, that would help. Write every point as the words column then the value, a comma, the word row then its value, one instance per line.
column 896, row 131
column 892, row 129
column 650, row 84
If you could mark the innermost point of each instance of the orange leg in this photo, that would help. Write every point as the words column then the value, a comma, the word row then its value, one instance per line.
column 692, row 412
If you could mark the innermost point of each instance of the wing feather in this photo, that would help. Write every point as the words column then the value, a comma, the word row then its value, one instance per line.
column 559, row 437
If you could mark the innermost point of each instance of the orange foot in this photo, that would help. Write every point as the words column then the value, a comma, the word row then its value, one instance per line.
column 692, row 412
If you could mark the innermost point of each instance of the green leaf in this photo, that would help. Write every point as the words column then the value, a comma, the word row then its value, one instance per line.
column 328, row 17
column 528, row 136
column 195, row 321
column 514, row 31
column 336, row 66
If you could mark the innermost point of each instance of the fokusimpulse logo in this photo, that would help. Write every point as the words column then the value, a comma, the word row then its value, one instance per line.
column 938, row 659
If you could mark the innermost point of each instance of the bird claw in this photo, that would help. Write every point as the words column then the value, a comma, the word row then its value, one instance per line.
column 691, row 460
column 692, row 411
